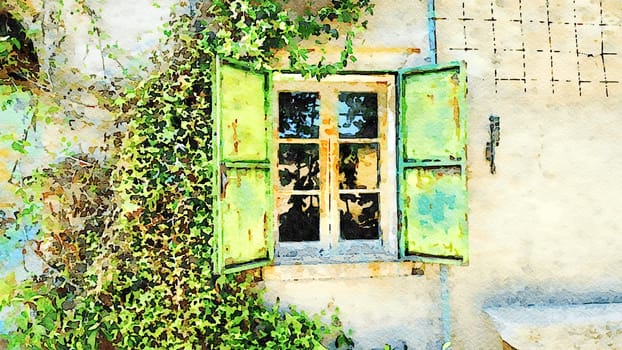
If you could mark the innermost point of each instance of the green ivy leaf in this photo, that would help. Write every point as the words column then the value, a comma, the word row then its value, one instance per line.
column 19, row 146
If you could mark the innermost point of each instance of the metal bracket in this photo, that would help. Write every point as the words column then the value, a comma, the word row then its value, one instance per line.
column 495, row 136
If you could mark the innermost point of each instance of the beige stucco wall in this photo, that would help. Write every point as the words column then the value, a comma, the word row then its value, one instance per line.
column 543, row 229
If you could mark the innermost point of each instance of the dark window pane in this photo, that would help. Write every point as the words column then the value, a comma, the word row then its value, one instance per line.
column 358, row 165
column 358, row 115
column 299, row 115
column 299, row 166
column 359, row 215
column 299, row 218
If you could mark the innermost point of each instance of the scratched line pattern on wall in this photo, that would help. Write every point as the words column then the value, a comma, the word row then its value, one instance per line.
column 559, row 47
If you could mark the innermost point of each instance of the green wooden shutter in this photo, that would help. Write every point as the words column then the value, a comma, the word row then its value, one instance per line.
column 432, row 164
column 243, row 219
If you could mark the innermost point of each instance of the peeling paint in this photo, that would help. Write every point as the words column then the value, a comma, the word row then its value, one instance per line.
column 245, row 211
column 245, row 201
column 433, row 183
column 437, row 225
column 432, row 116
column 236, row 139
column 243, row 129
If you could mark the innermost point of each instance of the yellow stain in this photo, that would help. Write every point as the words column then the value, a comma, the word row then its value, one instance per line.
column 5, row 153
column 5, row 174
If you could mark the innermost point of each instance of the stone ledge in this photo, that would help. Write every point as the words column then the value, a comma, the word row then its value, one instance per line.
column 584, row 326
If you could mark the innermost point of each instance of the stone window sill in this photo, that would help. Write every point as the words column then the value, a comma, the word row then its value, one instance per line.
column 342, row 271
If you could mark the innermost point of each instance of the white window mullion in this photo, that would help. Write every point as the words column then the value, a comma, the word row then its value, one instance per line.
column 329, row 133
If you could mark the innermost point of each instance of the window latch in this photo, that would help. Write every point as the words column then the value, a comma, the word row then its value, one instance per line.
column 223, row 180
column 495, row 136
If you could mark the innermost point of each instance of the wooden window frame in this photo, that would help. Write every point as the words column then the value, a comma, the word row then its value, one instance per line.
column 330, row 248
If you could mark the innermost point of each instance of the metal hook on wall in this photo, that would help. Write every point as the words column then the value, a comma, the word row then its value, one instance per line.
column 495, row 136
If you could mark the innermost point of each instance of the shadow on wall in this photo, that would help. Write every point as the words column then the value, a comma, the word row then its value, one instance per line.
column 557, row 319
column 537, row 296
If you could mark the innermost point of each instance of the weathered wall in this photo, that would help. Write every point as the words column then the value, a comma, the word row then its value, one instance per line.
column 543, row 229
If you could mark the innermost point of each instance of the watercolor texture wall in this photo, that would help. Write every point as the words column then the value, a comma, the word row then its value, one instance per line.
column 544, row 245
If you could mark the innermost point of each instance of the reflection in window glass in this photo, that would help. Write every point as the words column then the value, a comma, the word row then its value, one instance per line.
column 358, row 115
column 358, row 166
column 299, row 218
column 299, row 115
column 299, row 166
column 359, row 216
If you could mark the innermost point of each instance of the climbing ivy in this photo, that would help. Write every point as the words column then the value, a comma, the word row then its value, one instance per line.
column 127, row 242
column 17, row 58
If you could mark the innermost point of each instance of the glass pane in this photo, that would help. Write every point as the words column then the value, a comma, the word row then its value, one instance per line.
column 358, row 115
column 299, row 115
column 299, row 166
column 359, row 215
column 358, row 166
column 299, row 218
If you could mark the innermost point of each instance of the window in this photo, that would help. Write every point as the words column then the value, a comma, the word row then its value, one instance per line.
column 334, row 175
column 340, row 170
